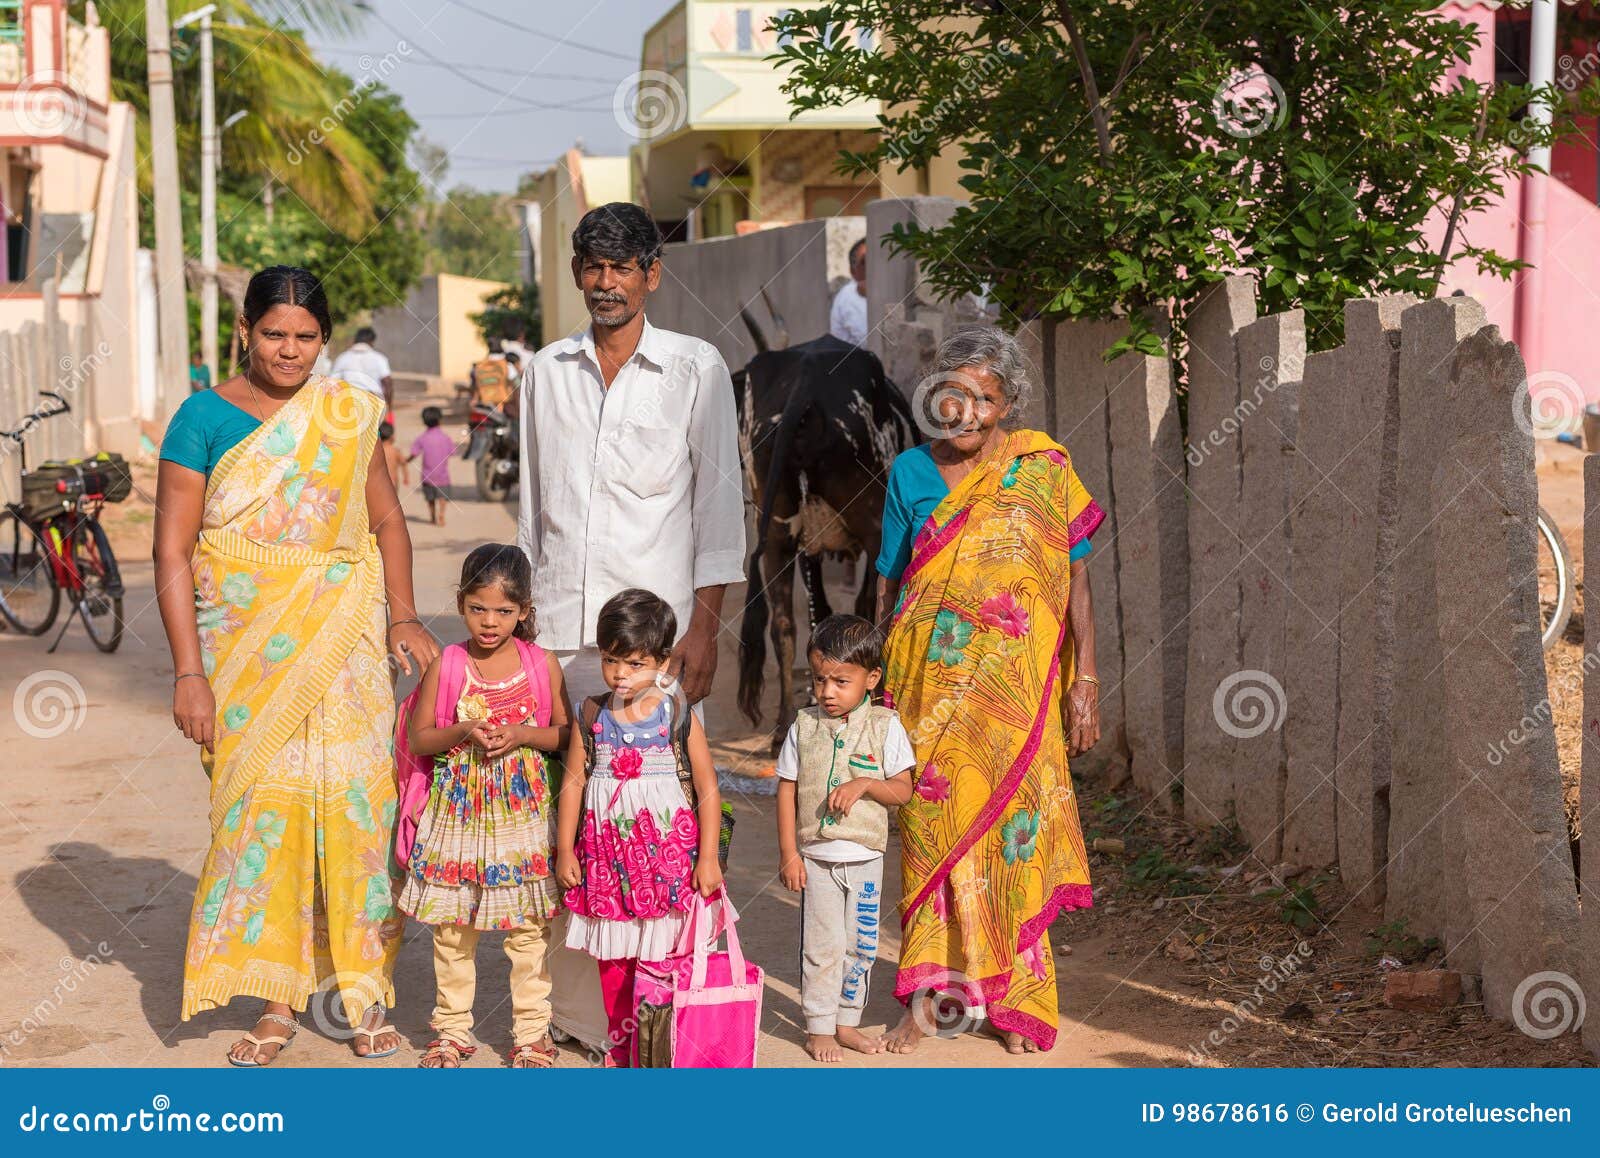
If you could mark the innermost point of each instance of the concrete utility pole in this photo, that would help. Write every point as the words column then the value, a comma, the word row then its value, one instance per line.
column 209, row 160
column 171, row 306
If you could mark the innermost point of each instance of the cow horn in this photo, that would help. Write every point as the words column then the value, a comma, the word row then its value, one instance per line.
column 777, row 319
column 756, row 335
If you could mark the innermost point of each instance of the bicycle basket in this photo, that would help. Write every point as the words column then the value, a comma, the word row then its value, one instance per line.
column 55, row 486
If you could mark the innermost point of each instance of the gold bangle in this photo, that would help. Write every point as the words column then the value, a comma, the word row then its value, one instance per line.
column 1087, row 679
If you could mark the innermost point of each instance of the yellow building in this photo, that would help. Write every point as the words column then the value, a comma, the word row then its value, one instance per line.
column 719, row 150
column 431, row 341
column 560, row 196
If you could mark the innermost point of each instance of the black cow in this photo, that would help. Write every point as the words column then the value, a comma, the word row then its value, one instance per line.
column 819, row 424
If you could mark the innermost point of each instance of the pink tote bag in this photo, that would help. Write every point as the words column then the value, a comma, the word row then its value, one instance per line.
column 702, row 1008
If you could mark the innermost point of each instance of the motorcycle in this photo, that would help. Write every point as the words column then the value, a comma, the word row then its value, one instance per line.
column 492, row 448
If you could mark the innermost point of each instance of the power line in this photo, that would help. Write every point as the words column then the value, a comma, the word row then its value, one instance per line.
column 561, row 40
column 454, row 116
column 506, row 99
column 537, row 75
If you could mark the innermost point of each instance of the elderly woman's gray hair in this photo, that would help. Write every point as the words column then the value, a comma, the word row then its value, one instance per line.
column 987, row 348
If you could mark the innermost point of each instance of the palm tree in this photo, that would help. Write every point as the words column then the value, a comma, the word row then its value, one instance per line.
column 294, row 132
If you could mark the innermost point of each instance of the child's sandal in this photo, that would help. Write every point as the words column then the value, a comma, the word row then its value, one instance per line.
column 532, row 1057
column 444, row 1054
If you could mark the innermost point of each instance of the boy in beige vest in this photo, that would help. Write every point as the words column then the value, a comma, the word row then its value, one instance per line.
column 842, row 763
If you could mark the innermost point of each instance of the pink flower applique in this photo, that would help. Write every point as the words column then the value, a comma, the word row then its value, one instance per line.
column 1034, row 960
column 1004, row 614
column 625, row 766
column 595, row 727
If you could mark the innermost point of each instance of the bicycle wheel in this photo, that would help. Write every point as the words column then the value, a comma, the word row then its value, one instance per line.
column 99, row 599
column 1555, row 580
column 29, row 594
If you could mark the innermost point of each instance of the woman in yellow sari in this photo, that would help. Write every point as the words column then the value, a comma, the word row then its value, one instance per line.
column 283, row 570
column 990, row 644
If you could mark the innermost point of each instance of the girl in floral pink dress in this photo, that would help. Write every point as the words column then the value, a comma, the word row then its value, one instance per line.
column 631, row 845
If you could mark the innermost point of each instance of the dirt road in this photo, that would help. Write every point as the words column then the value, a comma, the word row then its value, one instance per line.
column 102, row 832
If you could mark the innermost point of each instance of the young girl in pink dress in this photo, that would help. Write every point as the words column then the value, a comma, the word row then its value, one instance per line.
column 631, row 848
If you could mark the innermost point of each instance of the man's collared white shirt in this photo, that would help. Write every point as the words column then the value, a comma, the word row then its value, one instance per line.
column 635, row 485
column 847, row 320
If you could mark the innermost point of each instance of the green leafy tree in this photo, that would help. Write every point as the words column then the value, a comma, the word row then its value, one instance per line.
column 512, row 312
column 1120, row 157
column 474, row 233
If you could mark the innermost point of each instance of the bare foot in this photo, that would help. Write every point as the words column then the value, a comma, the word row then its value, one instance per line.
column 1016, row 1043
column 824, row 1047
column 273, row 1033
column 906, row 1036
column 852, row 1038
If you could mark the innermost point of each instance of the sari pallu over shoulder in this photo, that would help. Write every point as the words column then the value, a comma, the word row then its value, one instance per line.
column 991, row 843
column 287, row 575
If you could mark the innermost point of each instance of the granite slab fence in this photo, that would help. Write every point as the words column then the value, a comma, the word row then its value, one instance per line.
column 1317, row 619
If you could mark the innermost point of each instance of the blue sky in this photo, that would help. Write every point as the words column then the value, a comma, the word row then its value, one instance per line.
column 483, row 90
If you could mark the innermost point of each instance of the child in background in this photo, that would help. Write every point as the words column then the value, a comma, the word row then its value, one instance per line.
column 393, row 457
column 842, row 762
column 631, row 874
column 435, row 448
column 481, row 858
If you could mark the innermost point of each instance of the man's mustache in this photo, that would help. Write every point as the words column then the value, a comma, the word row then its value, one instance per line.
column 606, row 296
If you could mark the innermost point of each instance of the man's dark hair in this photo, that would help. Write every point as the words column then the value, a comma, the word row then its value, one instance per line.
column 513, row 358
column 858, row 247
column 848, row 639
column 620, row 231
column 636, row 622
column 367, row 334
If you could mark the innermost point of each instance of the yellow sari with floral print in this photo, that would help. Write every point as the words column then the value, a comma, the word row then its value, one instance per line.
column 295, row 895
column 991, row 847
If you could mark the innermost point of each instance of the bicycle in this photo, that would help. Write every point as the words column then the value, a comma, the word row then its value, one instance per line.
column 1555, row 581
column 52, row 542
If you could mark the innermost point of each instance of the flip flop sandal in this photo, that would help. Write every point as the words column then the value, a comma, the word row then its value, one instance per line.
column 372, row 1035
column 532, row 1057
column 443, row 1049
column 256, row 1043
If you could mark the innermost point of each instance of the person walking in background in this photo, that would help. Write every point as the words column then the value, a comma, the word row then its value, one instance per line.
column 847, row 321
column 199, row 373
column 990, row 660
column 630, row 478
column 842, row 763
column 394, row 458
column 435, row 448
column 283, row 572
column 365, row 366
column 486, row 715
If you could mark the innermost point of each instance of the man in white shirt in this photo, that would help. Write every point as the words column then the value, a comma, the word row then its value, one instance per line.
column 630, row 478
column 848, row 318
column 364, row 366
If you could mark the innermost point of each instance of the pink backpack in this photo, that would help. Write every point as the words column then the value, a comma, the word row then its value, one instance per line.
column 414, row 774
column 698, row 1009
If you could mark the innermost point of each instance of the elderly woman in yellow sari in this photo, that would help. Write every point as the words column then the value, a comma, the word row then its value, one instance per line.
column 990, row 662
column 283, row 570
